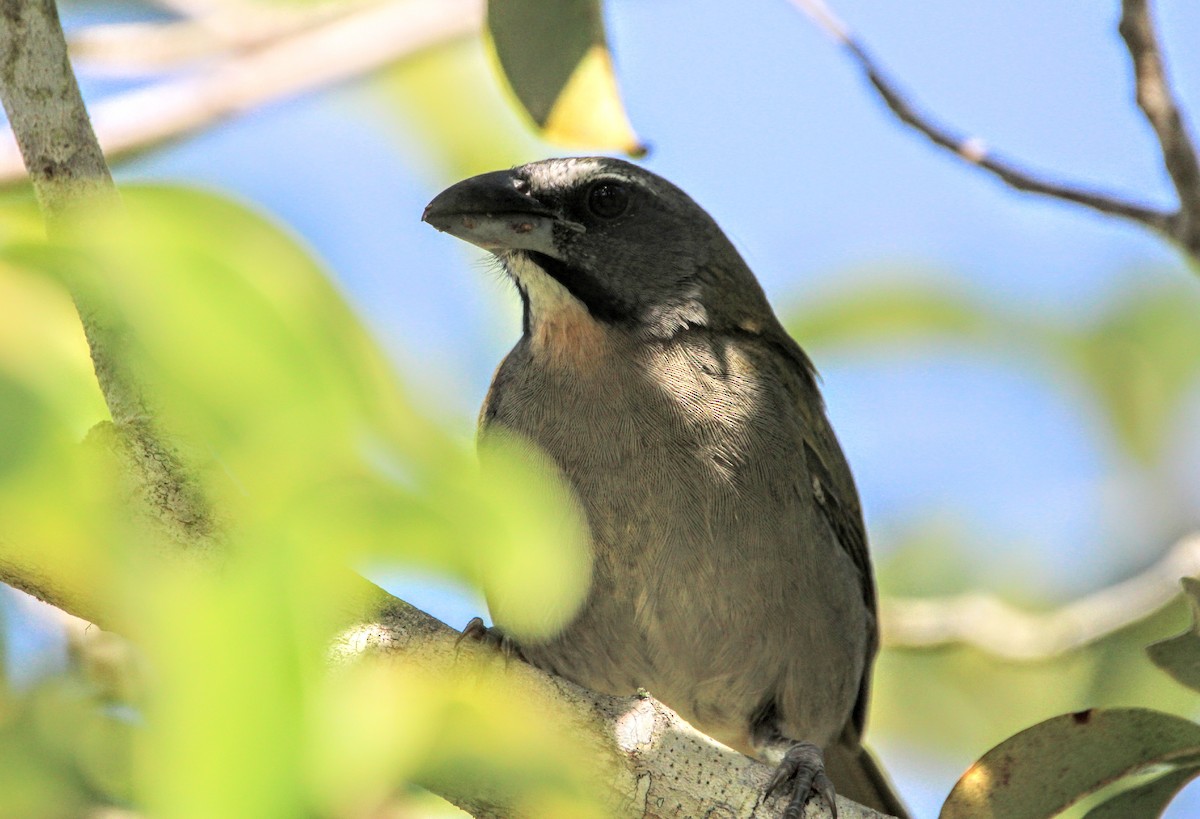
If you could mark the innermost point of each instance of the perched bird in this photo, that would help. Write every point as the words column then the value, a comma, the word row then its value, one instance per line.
column 730, row 573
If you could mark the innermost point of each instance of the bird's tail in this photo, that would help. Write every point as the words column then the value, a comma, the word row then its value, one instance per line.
column 857, row 776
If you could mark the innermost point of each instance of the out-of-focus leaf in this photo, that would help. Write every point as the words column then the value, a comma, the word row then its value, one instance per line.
column 447, row 96
column 1148, row 799
column 60, row 752
column 317, row 462
column 42, row 344
column 1046, row 768
column 1140, row 359
column 558, row 65
column 958, row 700
column 470, row 724
column 1179, row 656
column 899, row 312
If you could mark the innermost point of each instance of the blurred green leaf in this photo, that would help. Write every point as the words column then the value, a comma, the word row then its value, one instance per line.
column 1140, row 359
column 958, row 700
column 1046, row 768
column 60, row 751
column 904, row 311
column 317, row 462
column 447, row 96
column 1179, row 656
column 556, row 60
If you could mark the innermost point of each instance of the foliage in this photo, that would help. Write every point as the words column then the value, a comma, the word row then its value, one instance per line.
column 558, row 65
column 318, row 463
column 1137, row 362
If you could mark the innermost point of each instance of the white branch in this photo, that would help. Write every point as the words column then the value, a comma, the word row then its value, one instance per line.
column 988, row 623
column 337, row 50
column 654, row 764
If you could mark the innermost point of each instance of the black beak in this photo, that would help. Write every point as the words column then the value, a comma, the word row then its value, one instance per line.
column 495, row 212
column 495, row 194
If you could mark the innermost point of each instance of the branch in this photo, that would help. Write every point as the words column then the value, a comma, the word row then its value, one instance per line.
column 46, row 111
column 335, row 50
column 68, row 173
column 654, row 762
column 1155, row 98
column 985, row 622
column 1181, row 226
column 138, row 49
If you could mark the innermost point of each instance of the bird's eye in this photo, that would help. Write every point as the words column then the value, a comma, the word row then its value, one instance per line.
column 608, row 200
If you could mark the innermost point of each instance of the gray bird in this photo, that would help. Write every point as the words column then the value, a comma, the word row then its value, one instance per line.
column 730, row 573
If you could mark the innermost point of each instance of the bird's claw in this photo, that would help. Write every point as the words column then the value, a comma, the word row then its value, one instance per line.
column 801, row 774
column 495, row 637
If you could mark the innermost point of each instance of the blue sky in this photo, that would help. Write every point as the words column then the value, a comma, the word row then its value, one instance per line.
column 768, row 125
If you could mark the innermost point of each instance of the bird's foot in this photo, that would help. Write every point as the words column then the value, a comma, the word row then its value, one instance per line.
column 800, row 776
column 494, row 637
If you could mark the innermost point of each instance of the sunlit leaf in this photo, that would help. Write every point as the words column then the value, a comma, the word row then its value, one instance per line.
column 447, row 96
column 470, row 723
column 1046, row 768
column 557, row 62
column 1179, row 656
column 305, row 440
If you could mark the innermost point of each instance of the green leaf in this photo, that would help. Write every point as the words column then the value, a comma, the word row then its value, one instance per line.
column 1179, row 656
column 1141, row 359
column 557, row 62
column 447, row 97
column 903, row 311
column 1148, row 799
column 1051, row 766
column 317, row 462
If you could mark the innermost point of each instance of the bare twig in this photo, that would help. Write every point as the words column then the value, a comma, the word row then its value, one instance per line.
column 336, row 50
column 136, row 49
column 45, row 108
column 988, row 623
column 1181, row 226
column 68, row 172
column 1156, row 100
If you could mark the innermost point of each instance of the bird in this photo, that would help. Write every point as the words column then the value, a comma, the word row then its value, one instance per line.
column 730, row 575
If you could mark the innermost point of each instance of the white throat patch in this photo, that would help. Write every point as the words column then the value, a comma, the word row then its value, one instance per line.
column 546, row 295
column 562, row 332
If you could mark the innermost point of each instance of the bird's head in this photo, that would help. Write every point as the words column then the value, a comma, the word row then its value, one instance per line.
column 627, row 245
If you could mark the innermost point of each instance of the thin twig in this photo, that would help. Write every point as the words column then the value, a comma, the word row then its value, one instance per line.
column 1186, row 232
column 992, row 625
column 141, row 49
column 336, row 50
column 1155, row 98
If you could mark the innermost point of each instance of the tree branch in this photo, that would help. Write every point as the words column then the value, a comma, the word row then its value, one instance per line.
column 68, row 172
column 1155, row 98
column 653, row 763
column 988, row 623
column 46, row 111
column 656, row 764
column 1181, row 226
column 337, row 49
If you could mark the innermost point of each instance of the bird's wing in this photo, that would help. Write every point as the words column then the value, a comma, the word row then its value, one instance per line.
column 834, row 494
